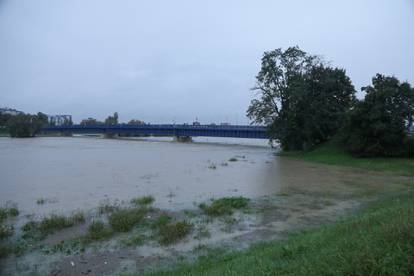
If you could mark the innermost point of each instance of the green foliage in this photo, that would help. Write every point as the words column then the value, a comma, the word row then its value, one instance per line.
column 123, row 220
column 145, row 200
column 302, row 101
column 224, row 206
column 6, row 231
column 134, row 240
column 98, row 231
column 26, row 125
column 49, row 225
column 378, row 125
column 161, row 221
column 7, row 212
column 173, row 232
column 379, row 241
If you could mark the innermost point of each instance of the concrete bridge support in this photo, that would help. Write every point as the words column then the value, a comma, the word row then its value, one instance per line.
column 183, row 139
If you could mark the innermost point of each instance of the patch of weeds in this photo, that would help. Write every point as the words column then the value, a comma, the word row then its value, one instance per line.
column 106, row 207
column 233, row 159
column 98, row 231
column 39, row 229
column 202, row 232
column 134, row 240
column 144, row 200
column 224, row 206
column 41, row 201
column 8, row 211
column 173, row 232
column 6, row 231
column 70, row 247
column 161, row 221
column 123, row 220
column 212, row 166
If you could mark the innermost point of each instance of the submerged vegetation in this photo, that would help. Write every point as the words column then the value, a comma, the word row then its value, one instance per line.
column 123, row 220
column 224, row 206
column 97, row 230
column 8, row 211
column 378, row 241
column 145, row 200
column 50, row 224
column 172, row 232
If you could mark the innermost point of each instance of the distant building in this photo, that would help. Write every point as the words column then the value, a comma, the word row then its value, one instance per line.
column 10, row 111
column 60, row 120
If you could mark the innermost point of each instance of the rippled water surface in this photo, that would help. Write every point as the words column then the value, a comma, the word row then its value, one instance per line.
column 73, row 173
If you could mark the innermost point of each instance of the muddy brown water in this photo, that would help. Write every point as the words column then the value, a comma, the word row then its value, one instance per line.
column 79, row 173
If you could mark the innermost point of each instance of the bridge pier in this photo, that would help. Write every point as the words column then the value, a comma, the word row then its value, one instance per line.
column 183, row 139
column 110, row 135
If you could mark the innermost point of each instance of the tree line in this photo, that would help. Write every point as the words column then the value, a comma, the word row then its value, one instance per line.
column 305, row 102
column 28, row 125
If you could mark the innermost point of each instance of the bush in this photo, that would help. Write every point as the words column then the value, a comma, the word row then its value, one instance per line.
column 123, row 220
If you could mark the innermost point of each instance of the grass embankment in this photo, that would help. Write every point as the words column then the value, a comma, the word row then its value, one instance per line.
column 332, row 153
column 378, row 241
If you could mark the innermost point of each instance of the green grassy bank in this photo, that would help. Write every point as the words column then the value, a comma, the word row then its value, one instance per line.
column 332, row 154
column 378, row 241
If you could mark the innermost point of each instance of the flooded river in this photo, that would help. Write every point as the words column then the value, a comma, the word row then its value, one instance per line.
column 78, row 173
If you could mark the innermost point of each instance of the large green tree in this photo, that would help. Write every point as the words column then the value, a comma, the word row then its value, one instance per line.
column 378, row 125
column 301, row 100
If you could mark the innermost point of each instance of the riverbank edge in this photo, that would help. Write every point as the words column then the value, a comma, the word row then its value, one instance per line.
column 331, row 153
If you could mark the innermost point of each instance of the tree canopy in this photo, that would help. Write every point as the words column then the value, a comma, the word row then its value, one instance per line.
column 301, row 99
column 378, row 125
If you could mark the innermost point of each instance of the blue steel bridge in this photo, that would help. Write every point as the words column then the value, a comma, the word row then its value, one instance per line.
column 234, row 131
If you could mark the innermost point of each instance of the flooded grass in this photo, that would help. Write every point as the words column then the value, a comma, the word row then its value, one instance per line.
column 378, row 241
column 161, row 221
column 123, row 220
column 173, row 232
column 134, row 240
column 97, row 230
column 145, row 200
column 8, row 212
column 224, row 206
column 49, row 225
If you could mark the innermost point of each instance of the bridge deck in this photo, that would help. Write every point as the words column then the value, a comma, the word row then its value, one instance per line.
column 235, row 131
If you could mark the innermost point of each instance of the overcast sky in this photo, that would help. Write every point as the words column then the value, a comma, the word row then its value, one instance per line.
column 165, row 61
